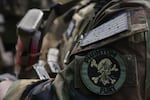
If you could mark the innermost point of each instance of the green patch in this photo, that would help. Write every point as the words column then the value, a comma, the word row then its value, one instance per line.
column 103, row 71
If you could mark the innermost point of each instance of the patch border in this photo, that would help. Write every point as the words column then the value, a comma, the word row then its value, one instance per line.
column 96, row 89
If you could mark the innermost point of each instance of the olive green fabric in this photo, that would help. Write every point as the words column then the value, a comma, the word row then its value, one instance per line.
column 127, row 46
column 131, row 43
column 58, row 26
column 63, row 80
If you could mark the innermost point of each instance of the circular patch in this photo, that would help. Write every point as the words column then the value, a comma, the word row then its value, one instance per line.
column 103, row 71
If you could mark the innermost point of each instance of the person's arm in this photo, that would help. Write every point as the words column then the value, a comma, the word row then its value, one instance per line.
column 4, row 85
column 13, row 90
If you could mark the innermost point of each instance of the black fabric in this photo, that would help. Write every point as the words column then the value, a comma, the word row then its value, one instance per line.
column 39, row 88
column 44, row 95
column 29, row 88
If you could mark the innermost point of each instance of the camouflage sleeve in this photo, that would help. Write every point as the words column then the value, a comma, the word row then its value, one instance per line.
column 17, row 88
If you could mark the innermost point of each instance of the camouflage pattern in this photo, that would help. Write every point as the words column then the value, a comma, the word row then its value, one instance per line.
column 79, row 23
column 131, row 89
column 55, row 38
column 130, row 45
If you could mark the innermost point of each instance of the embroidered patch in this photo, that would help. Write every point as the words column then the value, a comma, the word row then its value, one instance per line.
column 103, row 71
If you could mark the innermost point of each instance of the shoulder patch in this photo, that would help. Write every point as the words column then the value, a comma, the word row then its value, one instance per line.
column 103, row 71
